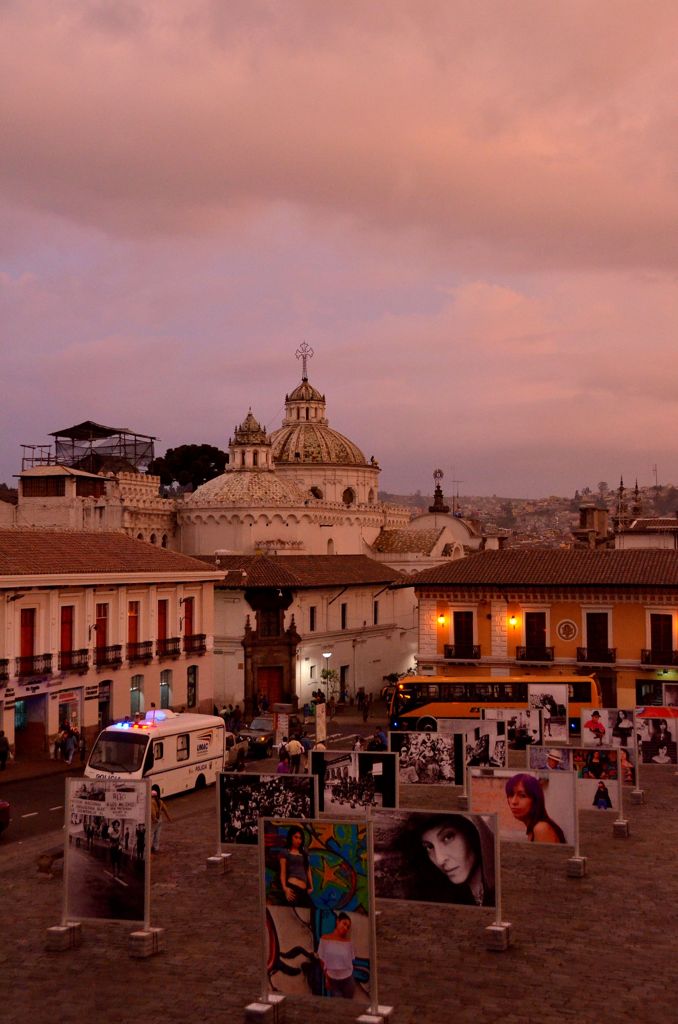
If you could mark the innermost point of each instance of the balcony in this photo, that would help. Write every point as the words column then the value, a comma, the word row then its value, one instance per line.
column 4, row 671
column 74, row 661
column 142, row 651
column 108, row 657
column 169, row 647
column 654, row 657
column 597, row 655
column 196, row 644
column 534, row 653
column 34, row 665
column 462, row 652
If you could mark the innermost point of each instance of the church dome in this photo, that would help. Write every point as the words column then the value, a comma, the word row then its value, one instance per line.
column 244, row 487
column 314, row 442
column 306, row 436
column 305, row 392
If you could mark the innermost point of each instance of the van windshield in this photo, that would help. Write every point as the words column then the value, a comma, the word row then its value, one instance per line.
column 118, row 752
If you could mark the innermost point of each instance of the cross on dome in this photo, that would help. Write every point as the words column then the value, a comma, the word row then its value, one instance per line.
column 304, row 352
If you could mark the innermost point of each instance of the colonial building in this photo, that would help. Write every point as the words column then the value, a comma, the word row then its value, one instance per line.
column 610, row 613
column 279, row 621
column 96, row 626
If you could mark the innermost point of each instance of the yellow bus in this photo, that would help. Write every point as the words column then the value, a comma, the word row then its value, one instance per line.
column 419, row 701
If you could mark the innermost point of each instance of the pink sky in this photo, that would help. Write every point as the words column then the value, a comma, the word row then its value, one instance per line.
column 468, row 209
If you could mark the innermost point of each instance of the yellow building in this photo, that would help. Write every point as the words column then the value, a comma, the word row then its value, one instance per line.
column 612, row 614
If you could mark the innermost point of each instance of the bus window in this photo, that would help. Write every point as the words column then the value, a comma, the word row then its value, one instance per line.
column 182, row 747
column 432, row 691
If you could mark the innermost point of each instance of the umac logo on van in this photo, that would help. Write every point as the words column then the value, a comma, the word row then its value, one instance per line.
column 204, row 742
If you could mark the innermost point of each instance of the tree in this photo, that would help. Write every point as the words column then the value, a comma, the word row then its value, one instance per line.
column 189, row 464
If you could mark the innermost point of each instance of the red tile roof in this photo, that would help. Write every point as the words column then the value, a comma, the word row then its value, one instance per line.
column 58, row 552
column 299, row 571
column 406, row 541
column 542, row 567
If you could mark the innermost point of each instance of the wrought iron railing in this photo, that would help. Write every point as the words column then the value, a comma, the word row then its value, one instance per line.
column 462, row 652
column 597, row 655
column 110, row 656
column 34, row 665
column 74, row 661
column 195, row 644
column 170, row 647
column 534, row 653
column 142, row 651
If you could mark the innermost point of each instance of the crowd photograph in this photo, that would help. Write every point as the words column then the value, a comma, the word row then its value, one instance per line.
column 244, row 798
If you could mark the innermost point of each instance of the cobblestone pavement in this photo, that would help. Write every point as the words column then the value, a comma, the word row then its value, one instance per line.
column 598, row 948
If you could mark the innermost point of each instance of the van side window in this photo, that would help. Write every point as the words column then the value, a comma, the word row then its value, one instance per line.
column 182, row 747
column 230, row 742
column 157, row 750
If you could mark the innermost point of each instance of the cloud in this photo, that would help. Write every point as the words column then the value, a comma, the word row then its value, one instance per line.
column 543, row 136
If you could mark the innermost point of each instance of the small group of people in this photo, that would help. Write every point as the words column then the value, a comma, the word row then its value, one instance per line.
column 68, row 740
column 425, row 758
column 293, row 754
column 232, row 717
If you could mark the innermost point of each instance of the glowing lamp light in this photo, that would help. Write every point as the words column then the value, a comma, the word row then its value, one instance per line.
column 512, row 621
column 441, row 619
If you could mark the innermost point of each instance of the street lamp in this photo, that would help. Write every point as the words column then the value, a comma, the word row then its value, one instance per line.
column 327, row 655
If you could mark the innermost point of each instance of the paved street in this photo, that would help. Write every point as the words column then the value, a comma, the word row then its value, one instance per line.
column 602, row 946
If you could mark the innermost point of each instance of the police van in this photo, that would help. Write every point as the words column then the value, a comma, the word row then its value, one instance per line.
column 177, row 752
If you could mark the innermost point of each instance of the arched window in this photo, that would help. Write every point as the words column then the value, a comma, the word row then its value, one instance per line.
column 136, row 696
column 330, row 547
column 166, row 688
column 370, row 497
column 348, row 497
column 154, row 539
column 163, row 543
column 255, row 458
column 140, row 536
column 192, row 686
column 316, row 492
column 307, row 413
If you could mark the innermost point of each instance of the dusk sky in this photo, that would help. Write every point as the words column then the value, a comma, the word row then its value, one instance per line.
column 468, row 209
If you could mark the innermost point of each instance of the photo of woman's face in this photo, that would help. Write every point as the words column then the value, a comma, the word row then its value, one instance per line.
column 343, row 926
column 520, row 803
column 449, row 850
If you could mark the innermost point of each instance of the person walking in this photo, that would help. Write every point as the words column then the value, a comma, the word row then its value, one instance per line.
column 294, row 751
column 158, row 809
column 4, row 750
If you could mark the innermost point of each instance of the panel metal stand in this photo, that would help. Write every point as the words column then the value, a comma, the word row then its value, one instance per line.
column 620, row 829
column 148, row 942
column 576, row 867
column 63, row 936
column 270, row 1008
column 638, row 796
column 498, row 936
column 219, row 865
column 375, row 1016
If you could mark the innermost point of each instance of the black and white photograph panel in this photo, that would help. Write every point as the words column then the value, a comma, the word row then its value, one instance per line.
column 429, row 758
column 349, row 783
column 552, row 700
column 486, row 745
column 245, row 797
column 656, row 732
column 106, row 870
column 436, row 857
column 523, row 725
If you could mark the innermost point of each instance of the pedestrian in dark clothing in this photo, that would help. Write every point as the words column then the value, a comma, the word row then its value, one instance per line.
column 4, row 750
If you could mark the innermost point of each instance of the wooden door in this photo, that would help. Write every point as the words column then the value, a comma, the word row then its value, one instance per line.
column 270, row 682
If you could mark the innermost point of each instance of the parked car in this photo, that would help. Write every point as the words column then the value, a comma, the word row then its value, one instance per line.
column 236, row 747
column 4, row 815
column 260, row 733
